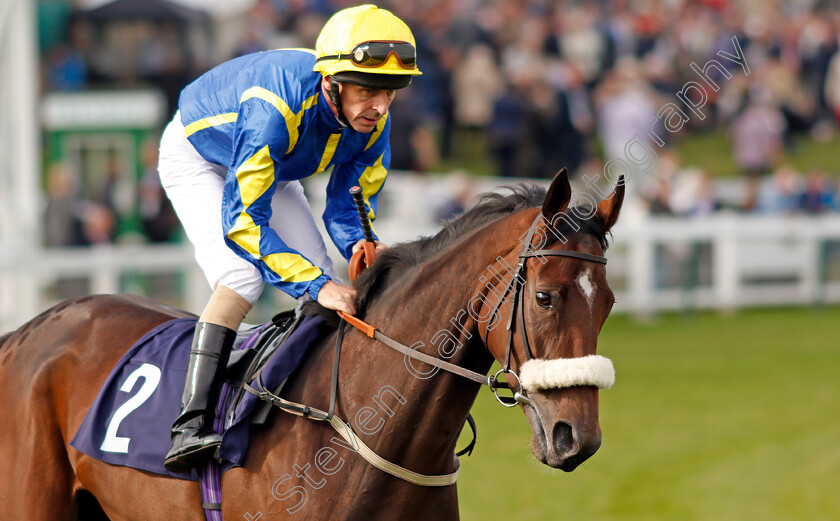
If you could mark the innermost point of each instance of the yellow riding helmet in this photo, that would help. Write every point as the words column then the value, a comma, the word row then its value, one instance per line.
column 368, row 46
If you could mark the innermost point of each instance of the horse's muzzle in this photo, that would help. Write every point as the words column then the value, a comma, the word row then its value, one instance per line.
column 564, row 426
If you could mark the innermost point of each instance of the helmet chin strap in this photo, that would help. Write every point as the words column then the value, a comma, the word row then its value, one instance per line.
column 336, row 100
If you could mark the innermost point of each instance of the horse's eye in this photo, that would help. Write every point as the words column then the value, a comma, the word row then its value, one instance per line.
column 544, row 299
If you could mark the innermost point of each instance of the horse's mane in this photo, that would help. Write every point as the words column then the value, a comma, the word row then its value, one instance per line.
column 397, row 260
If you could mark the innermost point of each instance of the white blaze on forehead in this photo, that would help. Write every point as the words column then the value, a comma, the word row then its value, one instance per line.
column 585, row 282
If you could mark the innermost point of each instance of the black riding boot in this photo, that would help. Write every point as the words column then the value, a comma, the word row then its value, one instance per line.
column 193, row 439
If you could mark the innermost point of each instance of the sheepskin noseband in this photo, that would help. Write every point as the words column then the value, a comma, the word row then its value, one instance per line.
column 537, row 375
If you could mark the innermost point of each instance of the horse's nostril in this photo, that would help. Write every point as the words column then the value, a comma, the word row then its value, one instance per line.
column 563, row 438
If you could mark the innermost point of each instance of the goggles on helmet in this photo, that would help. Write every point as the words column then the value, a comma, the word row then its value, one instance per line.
column 374, row 54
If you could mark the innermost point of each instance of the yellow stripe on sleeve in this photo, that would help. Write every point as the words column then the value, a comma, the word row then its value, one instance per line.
column 292, row 267
column 371, row 181
column 380, row 125
column 212, row 121
column 292, row 119
column 254, row 177
column 246, row 234
column 329, row 151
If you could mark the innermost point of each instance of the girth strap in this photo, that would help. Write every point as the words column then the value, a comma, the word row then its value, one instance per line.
column 346, row 431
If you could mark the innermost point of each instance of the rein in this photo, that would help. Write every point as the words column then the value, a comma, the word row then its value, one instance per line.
column 516, row 317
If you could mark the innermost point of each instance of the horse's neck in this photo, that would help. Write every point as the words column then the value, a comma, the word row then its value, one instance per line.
column 399, row 408
column 427, row 310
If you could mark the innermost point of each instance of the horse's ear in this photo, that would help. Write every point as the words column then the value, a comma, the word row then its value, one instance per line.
column 609, row 208
column 558, row 196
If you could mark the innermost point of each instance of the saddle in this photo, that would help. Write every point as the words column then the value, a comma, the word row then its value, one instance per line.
column 251, row 352
column 129, row 422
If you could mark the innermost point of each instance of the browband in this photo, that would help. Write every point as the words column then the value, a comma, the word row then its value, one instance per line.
column 564, row 253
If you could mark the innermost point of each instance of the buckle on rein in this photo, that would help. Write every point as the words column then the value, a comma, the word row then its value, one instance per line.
column 507, row 401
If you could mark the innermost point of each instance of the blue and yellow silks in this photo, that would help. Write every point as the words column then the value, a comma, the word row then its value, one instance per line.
column 265, row 118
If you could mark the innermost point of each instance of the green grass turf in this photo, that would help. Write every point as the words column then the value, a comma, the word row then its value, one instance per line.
column 711, row 418
column 712, row 151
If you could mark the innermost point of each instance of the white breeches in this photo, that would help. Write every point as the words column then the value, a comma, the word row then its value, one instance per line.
column 195, row 188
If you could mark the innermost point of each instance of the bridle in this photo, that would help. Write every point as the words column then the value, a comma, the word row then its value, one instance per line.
column 516, row 288
column 516, row 317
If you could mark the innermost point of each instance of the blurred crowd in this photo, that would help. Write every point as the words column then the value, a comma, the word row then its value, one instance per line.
column 692, row 192
column 535, row 85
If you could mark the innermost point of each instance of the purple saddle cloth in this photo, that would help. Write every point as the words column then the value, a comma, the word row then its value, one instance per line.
column 130, row 420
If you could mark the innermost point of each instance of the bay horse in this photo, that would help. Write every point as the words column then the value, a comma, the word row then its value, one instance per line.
column 52, row 367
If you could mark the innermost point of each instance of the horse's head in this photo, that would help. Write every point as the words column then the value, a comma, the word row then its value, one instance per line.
column 562, row 304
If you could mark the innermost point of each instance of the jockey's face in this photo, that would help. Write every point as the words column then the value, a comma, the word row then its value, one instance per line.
column 364, row 107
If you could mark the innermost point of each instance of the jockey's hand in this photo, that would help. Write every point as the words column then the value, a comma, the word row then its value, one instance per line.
column 378, row 246
column 337, row 297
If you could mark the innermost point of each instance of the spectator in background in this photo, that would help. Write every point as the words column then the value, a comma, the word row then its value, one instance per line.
column 69, row 218
column 63, row 213
column 818, row 195
column 831, row 89
column 66, row 64
column 65, row 68
column 578, row 38
column 780, row 194
column 524, row 57
column 98, row 223
column 752, row 194
column 625, row 107
column 659, row 201
column 460, row 191
column 817, row 43
column 249, row 44
column 412, row 141
column 477, row 82
column 705, row 199
column 156, row 213
column 789, row 96
column 163, row 61
column 657, row 191
column 575, row 119
column 694, row 193
column 757, row 134
column 539, row 153
column 507, row 126
column 263, row 22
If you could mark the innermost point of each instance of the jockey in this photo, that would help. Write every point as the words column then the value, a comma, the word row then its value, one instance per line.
column 231, row 159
